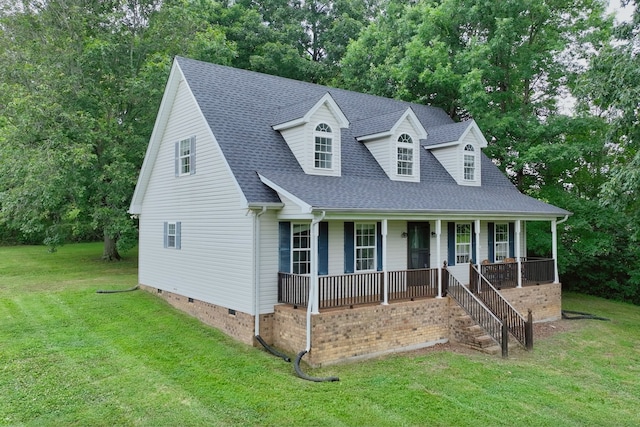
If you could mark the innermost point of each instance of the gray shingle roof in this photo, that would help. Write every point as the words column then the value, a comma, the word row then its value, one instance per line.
column 446, row 133
column 242, row 106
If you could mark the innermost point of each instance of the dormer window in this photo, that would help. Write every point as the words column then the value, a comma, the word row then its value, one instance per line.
column 405, row 155
column 469, row 160
column 323, row 146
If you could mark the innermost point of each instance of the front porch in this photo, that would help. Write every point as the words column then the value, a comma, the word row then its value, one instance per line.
column 369, row 314
column 379, row 287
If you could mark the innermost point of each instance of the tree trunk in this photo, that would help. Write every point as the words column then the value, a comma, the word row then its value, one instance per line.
column 110, row 252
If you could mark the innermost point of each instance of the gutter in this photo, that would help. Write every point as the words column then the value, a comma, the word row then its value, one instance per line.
column 313, row 279
column 256, row 269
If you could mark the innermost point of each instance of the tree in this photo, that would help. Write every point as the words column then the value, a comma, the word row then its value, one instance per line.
column 84, row 93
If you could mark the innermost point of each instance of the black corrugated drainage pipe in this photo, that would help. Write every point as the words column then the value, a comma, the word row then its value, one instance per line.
column 273, row 350
column 135, row 288
column 576, row 315
column 304, row 376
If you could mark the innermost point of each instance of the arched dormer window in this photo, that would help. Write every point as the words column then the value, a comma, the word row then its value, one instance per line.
column 404, row 150
column 323, row 147
column 469, row 163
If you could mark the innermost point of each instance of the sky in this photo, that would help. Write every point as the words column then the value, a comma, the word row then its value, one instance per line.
column 622, row 14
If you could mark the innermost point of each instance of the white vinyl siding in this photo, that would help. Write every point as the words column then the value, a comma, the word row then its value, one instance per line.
column 217, row 236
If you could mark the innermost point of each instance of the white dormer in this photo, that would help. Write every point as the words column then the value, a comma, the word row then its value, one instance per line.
column 396, row 147
column 313, row 133
column 458, row 148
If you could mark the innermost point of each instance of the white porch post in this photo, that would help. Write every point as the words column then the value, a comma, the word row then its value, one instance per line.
column 314, row 297
column 554, row 250
column 385, row 274
column 518, row 252
column 477, row 254
column 438, row 255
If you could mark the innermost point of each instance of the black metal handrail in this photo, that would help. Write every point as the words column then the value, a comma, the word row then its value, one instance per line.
column 500, row 307
column 475, row 308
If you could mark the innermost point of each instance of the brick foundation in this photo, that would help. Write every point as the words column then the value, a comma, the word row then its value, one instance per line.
column 545, row 301
column 236, row 324
column 364, row 331
column 346, row 334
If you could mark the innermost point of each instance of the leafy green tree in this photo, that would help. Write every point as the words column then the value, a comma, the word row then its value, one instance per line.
column 86, row 78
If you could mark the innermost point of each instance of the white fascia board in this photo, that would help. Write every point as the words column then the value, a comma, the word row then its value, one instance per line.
column 373, row 136
column 168, row 97
column 304, row 206
column 290, row 124
column 443, row 145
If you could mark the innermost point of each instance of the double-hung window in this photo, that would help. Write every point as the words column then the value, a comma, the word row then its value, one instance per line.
column 501, row 241
column 405, row 155
column 172, row 234
column 463, row 243
column 301, row 248
column 185, row 156
column 323, row 147
column 365, row 246
column 469, row 160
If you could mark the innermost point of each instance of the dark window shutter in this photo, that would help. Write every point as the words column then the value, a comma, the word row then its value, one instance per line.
column 451, row 242
column 323, row 249
column 512, row 243
column 285, row 246
column 379, row 245
column 166, row 234
column 178, row 234
column 473, row 242
column 349, row 262
column 492, row 247
column 192, row 154
column 177, row 159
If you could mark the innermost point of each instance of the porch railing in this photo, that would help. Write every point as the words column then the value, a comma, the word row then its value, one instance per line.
column 520, row 328
column 410, row 284
column 505, row 274
column 293, row 289
column 475, row 308
column 350, row 289
column 359, row 288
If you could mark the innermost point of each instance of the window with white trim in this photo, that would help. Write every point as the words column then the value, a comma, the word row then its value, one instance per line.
column 323, row 147
column 463, row 243
column 300, row 249
column 185, row 156
column 365, row 246
column 469, row 160
column 501, row 241
column 405, row 155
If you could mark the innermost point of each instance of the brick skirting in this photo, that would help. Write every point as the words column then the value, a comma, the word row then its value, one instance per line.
column 361, row 332
column 236, row 324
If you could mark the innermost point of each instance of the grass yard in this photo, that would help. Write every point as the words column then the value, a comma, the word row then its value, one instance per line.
column 70, row 356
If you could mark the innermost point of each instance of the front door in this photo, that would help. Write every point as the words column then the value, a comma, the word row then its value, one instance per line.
column 418, row 239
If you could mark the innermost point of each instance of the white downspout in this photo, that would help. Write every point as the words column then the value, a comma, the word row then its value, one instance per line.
column 438, row 255
column 256, row 270
column 313, row 304
column 518, row 253
column 554, row 246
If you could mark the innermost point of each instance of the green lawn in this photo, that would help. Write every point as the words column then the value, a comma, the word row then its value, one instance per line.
column 70, row 356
